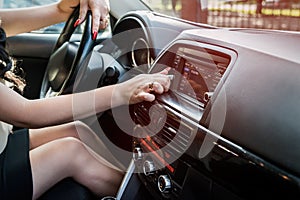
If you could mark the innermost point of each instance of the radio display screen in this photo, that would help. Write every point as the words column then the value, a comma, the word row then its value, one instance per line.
column 201, row 70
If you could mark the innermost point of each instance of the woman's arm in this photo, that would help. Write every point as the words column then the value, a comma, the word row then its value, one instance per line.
column 21, row 20
column 22, row 112
column 17, row 110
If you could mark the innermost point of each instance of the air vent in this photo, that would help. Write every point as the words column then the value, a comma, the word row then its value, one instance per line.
column 141, row 115
column 175, row 135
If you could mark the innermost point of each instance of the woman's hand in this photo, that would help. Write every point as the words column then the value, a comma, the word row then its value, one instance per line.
column 99, row 8
column 144, row 86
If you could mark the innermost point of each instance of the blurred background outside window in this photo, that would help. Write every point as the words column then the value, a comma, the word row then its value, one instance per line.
column 261, row 14
column 23, row 3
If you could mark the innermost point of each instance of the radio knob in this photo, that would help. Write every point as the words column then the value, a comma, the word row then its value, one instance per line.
column 148, row 167
column 164, row 184
column 137, row 154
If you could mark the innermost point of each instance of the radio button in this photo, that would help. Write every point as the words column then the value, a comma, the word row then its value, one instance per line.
column 137, row 154
column 148, row 167
column 164, row 184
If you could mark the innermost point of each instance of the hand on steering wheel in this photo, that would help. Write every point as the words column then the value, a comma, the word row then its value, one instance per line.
column 99, row 9
column 64, row 63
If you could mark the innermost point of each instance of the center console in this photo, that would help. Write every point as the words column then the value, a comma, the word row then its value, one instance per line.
column 167, row 135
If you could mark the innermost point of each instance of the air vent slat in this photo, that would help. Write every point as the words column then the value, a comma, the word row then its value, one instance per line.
column 168, row 134
column 175, row 134
column 182, row 136
column 180, row 139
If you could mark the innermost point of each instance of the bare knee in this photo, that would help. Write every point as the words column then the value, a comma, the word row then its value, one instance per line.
column 81, row 128
column 53, row 162
column 73, row 150
column 79, row 162
column 79, row 155
column 77, row 127
column 73, row 146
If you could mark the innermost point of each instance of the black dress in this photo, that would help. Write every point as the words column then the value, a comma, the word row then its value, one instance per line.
column 15, row 174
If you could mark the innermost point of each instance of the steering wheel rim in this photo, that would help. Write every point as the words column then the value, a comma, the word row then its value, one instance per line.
column 53, row 84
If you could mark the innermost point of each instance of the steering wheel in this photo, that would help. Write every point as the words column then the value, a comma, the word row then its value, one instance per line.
column 65, row 61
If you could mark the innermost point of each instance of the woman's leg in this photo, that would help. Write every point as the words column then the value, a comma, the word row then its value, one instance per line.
column 79, row 130
column 44, row 135
column 69, row 157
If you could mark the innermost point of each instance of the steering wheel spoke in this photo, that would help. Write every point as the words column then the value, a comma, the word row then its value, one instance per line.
column 51, row 93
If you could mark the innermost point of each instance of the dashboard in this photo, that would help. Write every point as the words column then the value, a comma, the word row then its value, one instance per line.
column 203, row 138
column 168, row 130
column 227, row 129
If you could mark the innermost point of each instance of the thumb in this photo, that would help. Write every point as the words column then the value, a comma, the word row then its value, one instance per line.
column 165, row 71
column 144, row 96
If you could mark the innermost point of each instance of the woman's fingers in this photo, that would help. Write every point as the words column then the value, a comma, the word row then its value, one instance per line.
column 100, row 12
column 103, row 22
column 153, row 84
column 165, row 71
column 166, row 82
column 144, row 96
column 156, row 87
column 83, row 5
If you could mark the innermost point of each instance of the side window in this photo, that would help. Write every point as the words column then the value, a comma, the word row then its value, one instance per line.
column 57, row 28
column 24, row 3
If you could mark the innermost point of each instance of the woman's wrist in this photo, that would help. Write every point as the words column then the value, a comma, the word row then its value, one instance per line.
column 65, row 9
column 120, row 95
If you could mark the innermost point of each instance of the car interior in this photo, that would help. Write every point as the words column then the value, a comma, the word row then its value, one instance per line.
column 223, row 131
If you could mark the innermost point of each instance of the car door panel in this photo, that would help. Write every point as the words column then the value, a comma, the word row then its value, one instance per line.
column 33, row 51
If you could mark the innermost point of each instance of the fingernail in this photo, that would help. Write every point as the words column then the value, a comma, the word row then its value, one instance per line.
column 77, row 23
column 95, row 33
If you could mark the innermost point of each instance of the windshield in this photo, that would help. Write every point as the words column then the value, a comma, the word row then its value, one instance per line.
column 262, row 14
column 23, row 3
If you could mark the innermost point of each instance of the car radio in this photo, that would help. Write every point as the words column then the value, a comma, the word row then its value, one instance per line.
column 165, row 131
column 161, row 137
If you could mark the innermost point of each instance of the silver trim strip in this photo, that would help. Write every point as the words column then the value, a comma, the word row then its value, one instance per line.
column 126, row 180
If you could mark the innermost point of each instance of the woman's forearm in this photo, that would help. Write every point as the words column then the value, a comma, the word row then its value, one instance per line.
column 21, row 20
column 65, row 108
column 22, row 112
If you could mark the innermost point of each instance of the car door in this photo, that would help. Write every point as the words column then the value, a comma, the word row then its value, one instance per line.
column 32, row 50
